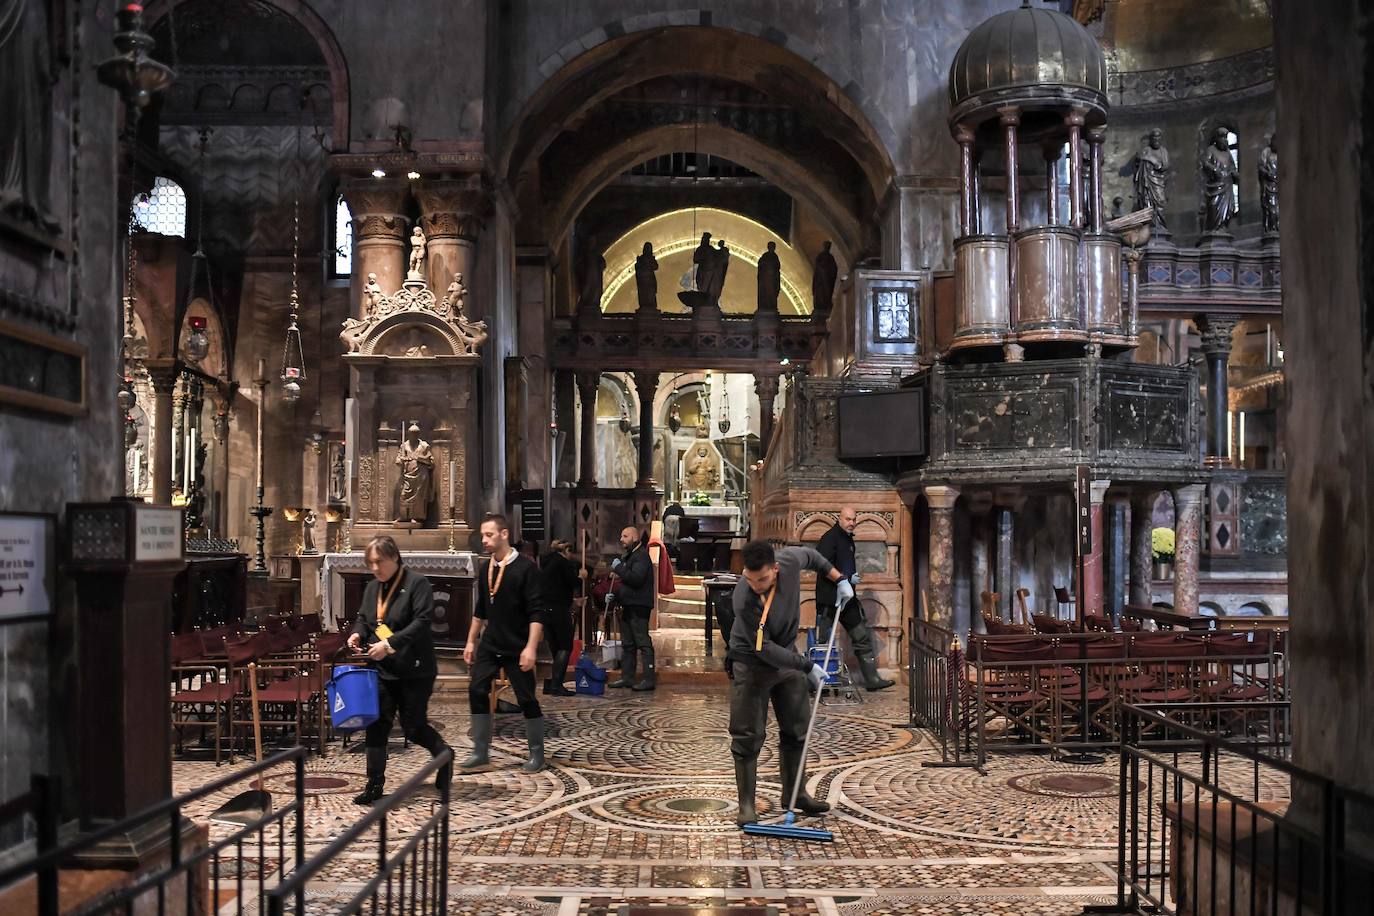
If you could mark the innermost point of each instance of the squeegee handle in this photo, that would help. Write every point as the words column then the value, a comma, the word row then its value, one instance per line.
column 815, row 708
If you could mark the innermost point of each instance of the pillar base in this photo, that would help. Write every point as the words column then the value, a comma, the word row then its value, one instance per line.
column 144, row 845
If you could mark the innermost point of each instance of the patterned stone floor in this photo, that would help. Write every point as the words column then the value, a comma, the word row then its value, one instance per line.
column 637, row 810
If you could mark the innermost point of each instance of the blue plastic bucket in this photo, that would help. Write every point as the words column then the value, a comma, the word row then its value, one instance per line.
column 352, row 696
column 832, row 668
column 591, row 678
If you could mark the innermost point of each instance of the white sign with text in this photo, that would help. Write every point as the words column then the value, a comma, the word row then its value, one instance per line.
column 159, row 535
column 24, row 558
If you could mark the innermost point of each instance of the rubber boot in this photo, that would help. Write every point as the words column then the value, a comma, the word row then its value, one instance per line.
column 650, row 680
column 554, row 686
column 872, row 679
column 376, row 777
column 788, row 763
column 481, row 743
column 746, row 780
column 443, row 777
column 627, row 671
column 534, row 735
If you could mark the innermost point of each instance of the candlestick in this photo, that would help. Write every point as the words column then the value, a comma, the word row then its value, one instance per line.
column 452, row 500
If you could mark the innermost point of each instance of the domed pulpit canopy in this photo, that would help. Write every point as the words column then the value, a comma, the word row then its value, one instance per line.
column 1030, row 58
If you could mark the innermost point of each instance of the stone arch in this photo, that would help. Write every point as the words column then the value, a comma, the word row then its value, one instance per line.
column 1254, row 608
column 836, row 214
column 324, row 37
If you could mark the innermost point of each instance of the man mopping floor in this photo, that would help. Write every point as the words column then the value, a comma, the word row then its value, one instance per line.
column 768, row 668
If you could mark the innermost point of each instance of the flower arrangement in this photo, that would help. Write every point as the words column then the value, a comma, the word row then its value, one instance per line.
column 699, row 498
column 1162, row 544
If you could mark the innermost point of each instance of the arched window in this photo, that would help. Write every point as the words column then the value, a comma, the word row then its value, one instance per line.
column 343, row 238
column 162, row 209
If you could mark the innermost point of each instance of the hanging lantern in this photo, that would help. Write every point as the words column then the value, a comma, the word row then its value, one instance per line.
column 624, row 420
column 132, row 72
column 293, row 356
column 674, row 420
column 723, row 424
column 126, row 398
column 197, row 342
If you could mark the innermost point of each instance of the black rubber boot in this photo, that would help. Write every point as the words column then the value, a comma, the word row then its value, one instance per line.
column 481, row 743
column 443, row 777
column 627, row 671
column 555, row 685
column 534, row 736
column 650, row 680
column 872, row 679
column 788, row 763
column 376, row 777
column 746, row 780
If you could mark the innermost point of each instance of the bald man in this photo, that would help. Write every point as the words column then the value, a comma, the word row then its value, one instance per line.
column 634, row 591
column 837, row 546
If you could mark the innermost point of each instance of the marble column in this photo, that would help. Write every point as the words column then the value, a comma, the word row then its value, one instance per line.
column 1142, row 547
column 1216, row 345
column 380, row 232
column 1010, row 121
column 588, row 383
column 963, row 135
column 164, row 374
column 646, row 385
column 1096, row 137
column 450, row 215
column 766, row 387
column 1114, row 537
column 980, row 561
column 940, row 601
column 1052, row 184
column 1187, row 546
column 1074, row 119
column 1092, row 562
column 1004, row 522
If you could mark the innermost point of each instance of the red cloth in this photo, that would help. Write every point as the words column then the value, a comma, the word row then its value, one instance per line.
column 666, row 586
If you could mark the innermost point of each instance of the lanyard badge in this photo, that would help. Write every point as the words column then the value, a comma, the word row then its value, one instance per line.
column 763, row 621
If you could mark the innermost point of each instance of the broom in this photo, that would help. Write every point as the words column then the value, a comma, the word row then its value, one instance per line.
column 787, row 827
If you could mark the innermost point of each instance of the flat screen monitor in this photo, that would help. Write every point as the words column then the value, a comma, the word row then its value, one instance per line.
column 882, row 424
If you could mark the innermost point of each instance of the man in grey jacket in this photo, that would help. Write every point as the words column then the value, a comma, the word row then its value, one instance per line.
column 635, row 594
column 768, row 667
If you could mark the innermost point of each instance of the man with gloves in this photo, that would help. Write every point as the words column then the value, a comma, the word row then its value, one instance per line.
column 837, row 546
column 634, row 592
column 768, row 667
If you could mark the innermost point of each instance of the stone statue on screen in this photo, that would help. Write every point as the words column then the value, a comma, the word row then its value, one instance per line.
column 308, row 532
column 372, row 292
column 722, row 267
column 646, row 279
column 338, row 478
column 1219, row 178
column 704, row 259
column 770, row 279
column 593, row 283
column 417, row 255
column 701, row 469
column 417, row 477
column 1151, row 175
column 1268, row 169
column 455, row 299
column 823, row 278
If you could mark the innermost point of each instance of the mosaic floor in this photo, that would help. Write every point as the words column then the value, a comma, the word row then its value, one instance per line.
column 637, row 810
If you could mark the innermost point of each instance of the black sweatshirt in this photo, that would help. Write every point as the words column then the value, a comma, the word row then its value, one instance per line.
column 558, row 580
column 784, row 617
column 518, row 603
column 837, row 546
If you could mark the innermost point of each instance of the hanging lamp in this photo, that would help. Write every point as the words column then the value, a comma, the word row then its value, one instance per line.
column 293, row 354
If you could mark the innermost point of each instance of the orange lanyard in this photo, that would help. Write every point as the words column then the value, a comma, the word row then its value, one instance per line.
column 383, row 602
column 763, row 621
column 494, row 582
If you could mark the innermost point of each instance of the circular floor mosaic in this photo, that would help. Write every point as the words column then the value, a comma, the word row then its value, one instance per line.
column 1057, row 784
column 708, row 807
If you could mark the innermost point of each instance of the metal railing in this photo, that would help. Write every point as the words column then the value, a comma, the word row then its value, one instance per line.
column 1208, row 824
column 937, row 695
column 266, row 838
column 412, row 879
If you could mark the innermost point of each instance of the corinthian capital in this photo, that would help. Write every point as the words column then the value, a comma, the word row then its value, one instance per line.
column 450, row 207
column 377, row 206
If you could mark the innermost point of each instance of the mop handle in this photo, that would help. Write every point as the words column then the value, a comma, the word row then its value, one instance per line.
column 815, row 708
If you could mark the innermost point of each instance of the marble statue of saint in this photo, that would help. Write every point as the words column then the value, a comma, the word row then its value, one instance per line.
column 721, row 265
column 26, row 130
column 770, row 279
column 701, row 470
column 1268, row 168
column 372, row 292
column 704, row 259
column 1150, row 175
column 823, row 278
column 417, row 255
column 1218, row 178
column 338, row 478
column 646, row 279
column 308, row 532
column 593, row 283
column 455, row 298
column 416, row 483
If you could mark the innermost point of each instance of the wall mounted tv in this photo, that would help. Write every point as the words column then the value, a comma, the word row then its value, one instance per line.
column 882, row 424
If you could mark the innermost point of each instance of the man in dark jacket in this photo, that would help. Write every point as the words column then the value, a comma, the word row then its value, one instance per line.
column 394, row 624
column 837, row 546
column 768, row 667
column 635, row 595
column 559, row 578
column 505, row 633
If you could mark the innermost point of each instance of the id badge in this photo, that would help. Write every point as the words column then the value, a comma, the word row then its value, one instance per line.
column 383, row 631
column 758, row 642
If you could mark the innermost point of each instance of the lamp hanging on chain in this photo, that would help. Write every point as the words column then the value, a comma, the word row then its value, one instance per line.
column 723, row 424
column 293, row 354
column 198, row 342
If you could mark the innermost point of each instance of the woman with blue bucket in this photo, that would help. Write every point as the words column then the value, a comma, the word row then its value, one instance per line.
column 394, row 625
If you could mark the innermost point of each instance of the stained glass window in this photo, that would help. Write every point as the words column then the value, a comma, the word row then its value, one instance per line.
column 162, row 209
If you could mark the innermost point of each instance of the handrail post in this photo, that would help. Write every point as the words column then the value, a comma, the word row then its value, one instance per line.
column 45, row 811
column 1327, row 875
column 300, row 829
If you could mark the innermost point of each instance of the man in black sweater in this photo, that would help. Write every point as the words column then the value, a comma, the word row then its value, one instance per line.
column 837, row 546
column 635, row 594
column 559, row 579
column 763, row 649
column 505, row 633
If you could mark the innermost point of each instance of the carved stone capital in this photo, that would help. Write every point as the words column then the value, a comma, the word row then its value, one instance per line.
column 587, row 384
column 1189, row 497
column 942, row 499
column 377, row 207
column 1216, row 333
column 766, row 387
column 646, row 383
column 450, row 207
column 163, row 374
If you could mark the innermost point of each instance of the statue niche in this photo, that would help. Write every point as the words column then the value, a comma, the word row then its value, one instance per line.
column 701, row 467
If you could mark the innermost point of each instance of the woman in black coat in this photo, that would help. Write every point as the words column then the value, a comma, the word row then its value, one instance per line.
column 559, row 581
column 394, row 626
